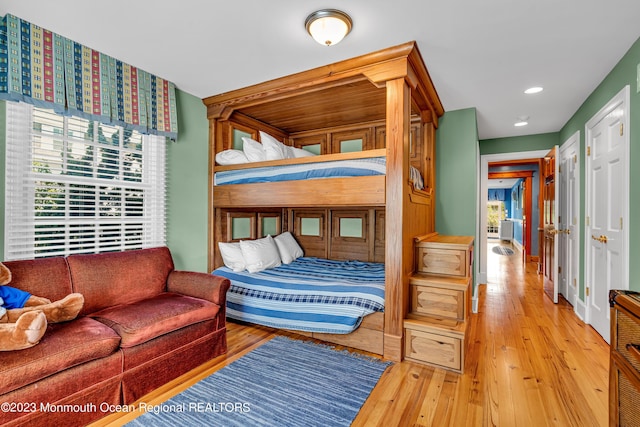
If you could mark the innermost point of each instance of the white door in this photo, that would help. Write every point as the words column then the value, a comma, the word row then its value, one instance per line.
column 607, row 170
column 551, row 193
column 569, row 219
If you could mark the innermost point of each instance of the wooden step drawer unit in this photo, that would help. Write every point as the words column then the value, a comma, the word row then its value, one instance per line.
column 441, row 296
column 440, row 302
column 624, row 371
column 445, row 255
column 436, row 342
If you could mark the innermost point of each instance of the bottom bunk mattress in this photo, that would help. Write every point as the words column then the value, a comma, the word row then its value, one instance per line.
column 310, row 294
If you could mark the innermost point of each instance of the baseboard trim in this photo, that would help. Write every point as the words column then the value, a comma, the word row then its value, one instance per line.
column 581, row 310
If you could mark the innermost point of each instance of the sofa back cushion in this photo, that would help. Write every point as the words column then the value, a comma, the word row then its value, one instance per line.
column 43, row 277
column 114, row 278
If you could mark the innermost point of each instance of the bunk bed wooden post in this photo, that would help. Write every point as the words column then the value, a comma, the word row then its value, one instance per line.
column 398, row 122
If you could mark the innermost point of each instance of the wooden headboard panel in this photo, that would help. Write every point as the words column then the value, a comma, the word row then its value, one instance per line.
column 343, row 234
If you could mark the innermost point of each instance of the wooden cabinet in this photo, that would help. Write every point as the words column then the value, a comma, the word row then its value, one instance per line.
column 440, row 302
column 624, row 373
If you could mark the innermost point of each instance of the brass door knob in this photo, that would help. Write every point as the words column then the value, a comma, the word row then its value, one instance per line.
column 601, row 239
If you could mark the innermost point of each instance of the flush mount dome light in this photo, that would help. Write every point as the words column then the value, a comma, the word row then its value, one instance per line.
column 522, row 121
column 328, row 26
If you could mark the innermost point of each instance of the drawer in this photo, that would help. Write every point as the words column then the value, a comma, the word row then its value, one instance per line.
column 429, row 301
column 434, row 349
column 628, row 334
column 451, row 262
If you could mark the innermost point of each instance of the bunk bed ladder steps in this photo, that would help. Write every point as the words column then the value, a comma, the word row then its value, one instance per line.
column 440, row 301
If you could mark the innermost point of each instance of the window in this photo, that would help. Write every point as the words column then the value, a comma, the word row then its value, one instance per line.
column 79, row 186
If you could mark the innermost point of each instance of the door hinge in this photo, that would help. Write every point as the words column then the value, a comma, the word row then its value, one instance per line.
column 621, row 129
column 620, row 223
column 574, row 282
column 587, row 221
column 587, row 291
column 588, row 150
column 575, row 158
column 560, row 169
column 559, row 269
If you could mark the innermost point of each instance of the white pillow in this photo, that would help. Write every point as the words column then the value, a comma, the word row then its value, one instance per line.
column 299, row 152
column 260, row 254
column 231, row 157
column 253, row 150
column 274, row 149
column 288, row 247
column 232, row 256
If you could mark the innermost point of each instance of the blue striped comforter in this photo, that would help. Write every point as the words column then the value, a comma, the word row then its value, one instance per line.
column 310, row 294
column 335, row 169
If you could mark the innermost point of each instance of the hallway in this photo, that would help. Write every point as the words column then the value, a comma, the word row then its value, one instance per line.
column 541, row 364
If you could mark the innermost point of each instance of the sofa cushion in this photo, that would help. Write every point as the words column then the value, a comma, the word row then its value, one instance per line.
column 44, row 277
column 145, row 320
column 64, row 345
column 116, row 278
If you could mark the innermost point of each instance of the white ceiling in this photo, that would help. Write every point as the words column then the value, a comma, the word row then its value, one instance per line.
column 502, row 182
column 480, row 54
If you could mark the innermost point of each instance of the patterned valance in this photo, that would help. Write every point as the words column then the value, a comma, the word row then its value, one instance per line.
column 49, row 70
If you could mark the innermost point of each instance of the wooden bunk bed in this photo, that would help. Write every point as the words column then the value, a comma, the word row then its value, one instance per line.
column 386, row 102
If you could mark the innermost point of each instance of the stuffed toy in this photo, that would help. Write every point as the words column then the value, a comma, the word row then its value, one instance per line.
column 24, row 317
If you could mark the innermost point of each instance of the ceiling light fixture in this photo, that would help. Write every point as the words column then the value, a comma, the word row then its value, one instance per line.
column 532, row 90
column 522, row 121
column 328, row 26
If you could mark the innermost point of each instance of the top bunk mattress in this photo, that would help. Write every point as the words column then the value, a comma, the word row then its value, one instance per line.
column 332, row 169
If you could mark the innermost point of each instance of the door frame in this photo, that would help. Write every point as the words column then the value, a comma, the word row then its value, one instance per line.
column 573, row 142
column 481, row 248
column 622, row 97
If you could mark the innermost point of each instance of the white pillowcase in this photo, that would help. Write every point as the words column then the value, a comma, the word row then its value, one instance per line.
column 299, row 152
column 288, row 247
column 231, row 157
column 274, row 149
column 232, row 256
column 260, row 254
column 253, row 150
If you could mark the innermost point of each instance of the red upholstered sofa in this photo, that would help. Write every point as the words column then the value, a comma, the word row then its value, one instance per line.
column 142, row 325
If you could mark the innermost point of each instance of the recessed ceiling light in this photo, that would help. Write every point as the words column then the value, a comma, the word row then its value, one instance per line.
column 531, row 90
column 522, row 121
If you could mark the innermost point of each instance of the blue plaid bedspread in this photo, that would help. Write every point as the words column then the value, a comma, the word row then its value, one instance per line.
column 310, row 294
column 333, row 169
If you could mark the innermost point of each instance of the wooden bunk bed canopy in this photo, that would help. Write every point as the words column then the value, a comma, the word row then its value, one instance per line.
column 343, row 93
column 386, row 100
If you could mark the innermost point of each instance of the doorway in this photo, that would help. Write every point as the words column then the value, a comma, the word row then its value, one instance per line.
column 483, row 200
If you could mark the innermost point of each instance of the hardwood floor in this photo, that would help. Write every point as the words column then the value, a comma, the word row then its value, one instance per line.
column 529, row 363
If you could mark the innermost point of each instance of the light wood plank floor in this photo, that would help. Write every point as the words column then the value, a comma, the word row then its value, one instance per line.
column 529, row 363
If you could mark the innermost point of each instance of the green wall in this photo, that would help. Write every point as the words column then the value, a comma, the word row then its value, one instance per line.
column 187, row 186
column 515, row 144
column 624, row 73
column 457, row 173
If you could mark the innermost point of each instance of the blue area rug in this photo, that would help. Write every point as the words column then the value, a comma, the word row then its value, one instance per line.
column 284, row 382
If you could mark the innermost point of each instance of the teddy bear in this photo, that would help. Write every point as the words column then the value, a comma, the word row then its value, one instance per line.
column 24, row 317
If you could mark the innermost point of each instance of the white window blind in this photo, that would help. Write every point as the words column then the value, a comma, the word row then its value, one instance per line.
column 79, row 186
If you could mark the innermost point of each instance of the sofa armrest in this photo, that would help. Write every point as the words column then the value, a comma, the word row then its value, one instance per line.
column 200, row 285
